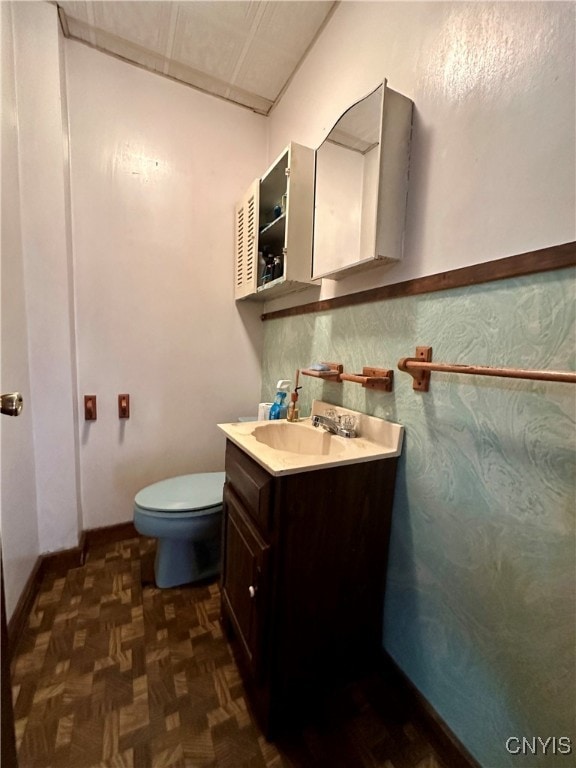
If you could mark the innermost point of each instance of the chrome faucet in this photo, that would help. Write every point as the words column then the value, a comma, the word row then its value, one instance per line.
column 333, row 426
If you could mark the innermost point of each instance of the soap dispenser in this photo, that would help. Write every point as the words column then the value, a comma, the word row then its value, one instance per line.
column 279, row 408
column 293, row 413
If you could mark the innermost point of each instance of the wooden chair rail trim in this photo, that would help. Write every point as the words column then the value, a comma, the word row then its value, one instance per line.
column 529, row 263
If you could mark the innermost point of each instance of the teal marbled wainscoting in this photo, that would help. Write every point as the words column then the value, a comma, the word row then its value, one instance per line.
column 480, row 601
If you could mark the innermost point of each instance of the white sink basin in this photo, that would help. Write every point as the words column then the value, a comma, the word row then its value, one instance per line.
column 284, row 448
column 299, row 437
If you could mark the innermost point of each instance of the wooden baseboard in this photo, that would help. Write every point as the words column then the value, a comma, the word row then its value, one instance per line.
column 57, row 564
column 94, row 536
column 7, row 741
column 24, row 606
column 446, row 743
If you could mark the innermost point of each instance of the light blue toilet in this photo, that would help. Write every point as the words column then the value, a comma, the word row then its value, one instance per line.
column 185, row 514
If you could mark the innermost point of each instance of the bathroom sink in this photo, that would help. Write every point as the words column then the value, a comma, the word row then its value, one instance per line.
column 284, row 448
column 299, row 438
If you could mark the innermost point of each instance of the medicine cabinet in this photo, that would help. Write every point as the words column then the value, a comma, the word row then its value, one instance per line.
column 274, row 226
column 361, row 184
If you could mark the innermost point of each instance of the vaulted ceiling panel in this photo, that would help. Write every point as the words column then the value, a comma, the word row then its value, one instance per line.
column 146, row 24
column 210, row 40
column 242, row 50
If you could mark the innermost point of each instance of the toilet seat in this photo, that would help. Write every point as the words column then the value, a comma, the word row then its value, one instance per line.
column 184, row 514
column 184, row 495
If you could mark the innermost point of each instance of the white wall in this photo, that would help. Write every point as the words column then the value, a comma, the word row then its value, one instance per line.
column 493, row 88
column 156, row 170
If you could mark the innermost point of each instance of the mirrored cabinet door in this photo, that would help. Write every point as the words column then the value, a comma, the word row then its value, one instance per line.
column 361, row 184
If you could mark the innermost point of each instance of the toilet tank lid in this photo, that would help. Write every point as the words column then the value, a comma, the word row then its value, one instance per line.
column 183, row 493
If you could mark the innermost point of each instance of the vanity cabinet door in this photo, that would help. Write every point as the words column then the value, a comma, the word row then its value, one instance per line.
column 244, row 579
column 252, row 485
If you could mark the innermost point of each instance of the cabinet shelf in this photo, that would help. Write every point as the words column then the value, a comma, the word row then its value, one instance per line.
column 271, row 284
column 273, row 225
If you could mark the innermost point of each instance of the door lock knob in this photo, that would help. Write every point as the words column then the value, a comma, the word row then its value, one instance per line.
column 12, row 404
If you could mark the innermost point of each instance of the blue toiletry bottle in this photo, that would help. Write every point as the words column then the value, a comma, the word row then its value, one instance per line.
column 279, row 408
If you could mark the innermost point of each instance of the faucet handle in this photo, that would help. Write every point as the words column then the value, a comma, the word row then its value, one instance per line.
column 348, row 421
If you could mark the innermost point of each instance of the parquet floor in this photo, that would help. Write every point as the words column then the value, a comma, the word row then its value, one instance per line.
column 112, row 671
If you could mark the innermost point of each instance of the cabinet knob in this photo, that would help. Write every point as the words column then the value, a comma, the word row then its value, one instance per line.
column 252, row 591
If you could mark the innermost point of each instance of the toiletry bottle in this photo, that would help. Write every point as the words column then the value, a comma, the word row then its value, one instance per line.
column 267, row 270
column 278, row 409
column 293, row 413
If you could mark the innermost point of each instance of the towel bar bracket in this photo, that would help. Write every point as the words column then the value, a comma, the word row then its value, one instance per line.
column 421, row 378
column 381, row 379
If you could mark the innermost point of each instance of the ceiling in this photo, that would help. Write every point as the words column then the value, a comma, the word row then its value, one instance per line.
column 243, row 51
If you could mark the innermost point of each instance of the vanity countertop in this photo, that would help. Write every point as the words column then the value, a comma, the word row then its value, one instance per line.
column 284, row 448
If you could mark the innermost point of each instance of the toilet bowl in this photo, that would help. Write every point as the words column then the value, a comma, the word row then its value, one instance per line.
column 184, row 513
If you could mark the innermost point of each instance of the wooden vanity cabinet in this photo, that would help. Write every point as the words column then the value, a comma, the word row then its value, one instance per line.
column 304, row 566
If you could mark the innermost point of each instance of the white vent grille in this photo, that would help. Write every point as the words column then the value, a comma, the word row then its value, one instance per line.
column 240, row 246
column 251, row 241
column 246, row 243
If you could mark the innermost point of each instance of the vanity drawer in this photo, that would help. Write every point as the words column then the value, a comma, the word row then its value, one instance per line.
column 251, row 483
